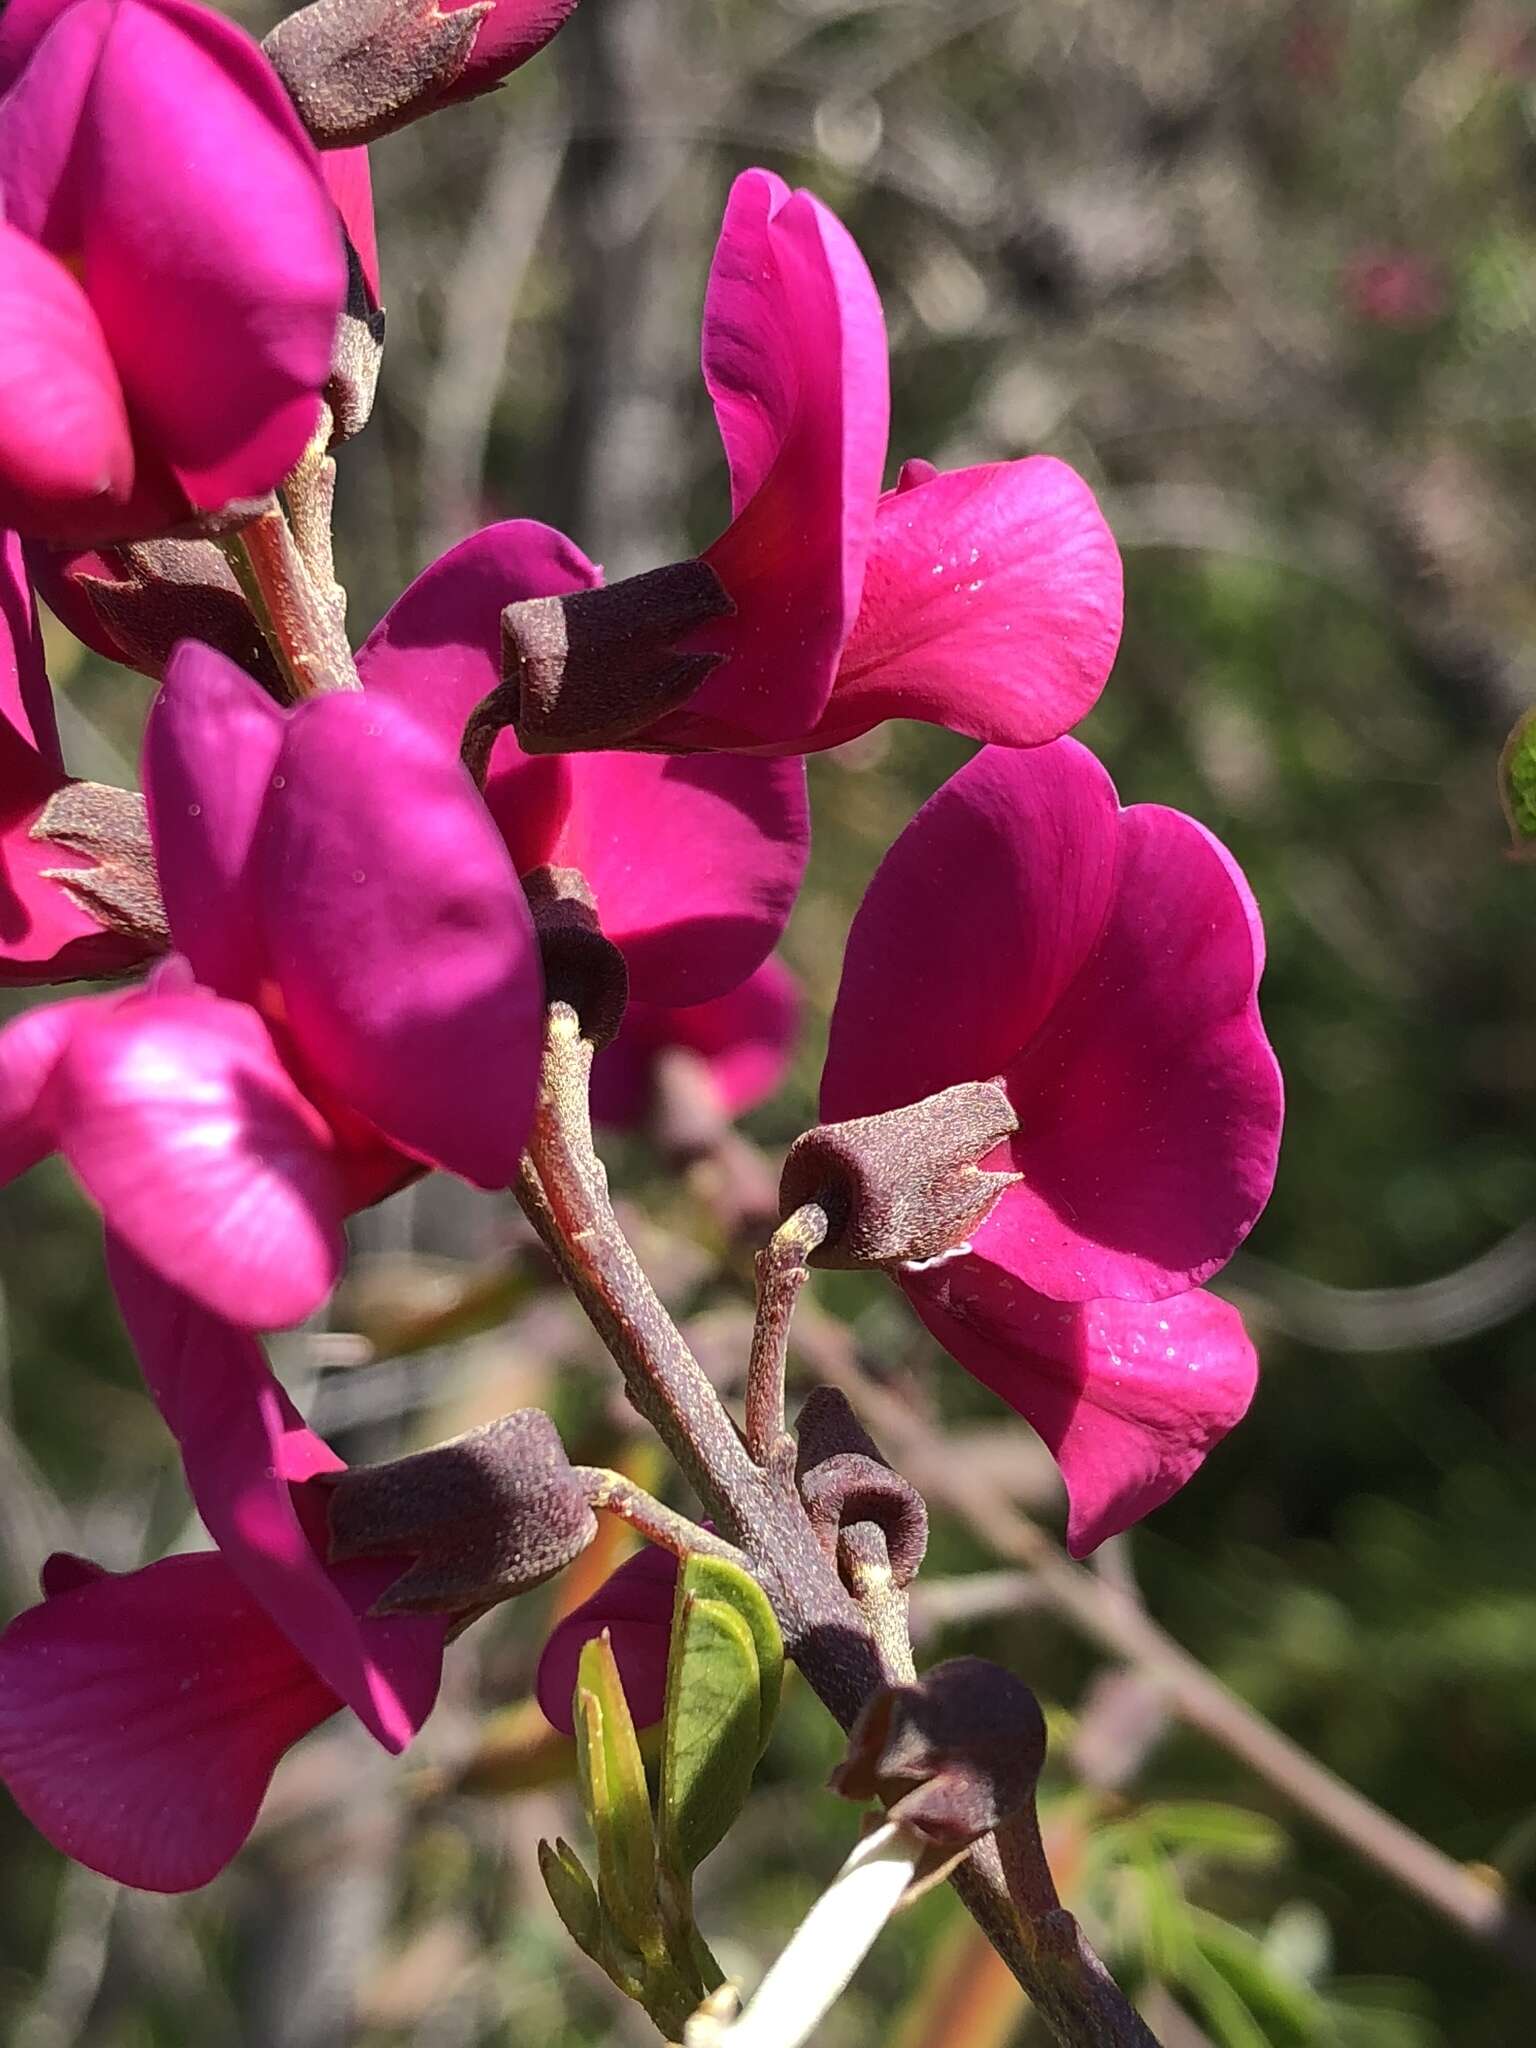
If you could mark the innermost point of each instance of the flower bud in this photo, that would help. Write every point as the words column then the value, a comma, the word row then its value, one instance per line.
column 954, row 1755
column 357, row 69
column 904, row 1187
column 485, row 1516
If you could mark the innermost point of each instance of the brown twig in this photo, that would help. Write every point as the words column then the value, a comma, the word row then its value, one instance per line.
column 298, row 621
column 781, row 1273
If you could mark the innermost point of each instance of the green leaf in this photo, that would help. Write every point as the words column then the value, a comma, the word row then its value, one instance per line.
column 1289, row 2009
column 574, row 1896
column 1229, row 1832
column 710, row 1731
column 1517, row 784
column 714, row 1578
column 616, row 1798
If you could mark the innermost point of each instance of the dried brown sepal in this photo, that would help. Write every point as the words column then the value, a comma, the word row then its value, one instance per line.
column 581, row 966
column 595, row 667
column 484, row 1517
column 905, row 1186
column 171, row 590
column 955, row 1755
column 111, row 828
column 358, row 69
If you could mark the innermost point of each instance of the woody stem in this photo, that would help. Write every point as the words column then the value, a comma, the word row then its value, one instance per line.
column 781, row 1273
column 298, row 620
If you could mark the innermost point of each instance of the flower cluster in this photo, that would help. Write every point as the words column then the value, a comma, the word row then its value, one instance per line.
column 333, row 922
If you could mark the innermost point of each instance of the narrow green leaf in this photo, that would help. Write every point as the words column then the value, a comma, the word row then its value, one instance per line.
column 1517, row 785
column 617, row 1801
column 1229, row 1832
column 710, row 1731
column 574, row 1896
column 714, row 1578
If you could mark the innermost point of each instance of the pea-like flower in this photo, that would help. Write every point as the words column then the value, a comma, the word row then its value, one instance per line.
column 986, row 599
column 173, row 266
column 142, row 1714
column 355, row 996
column 1101, row 966
column 738, row 1047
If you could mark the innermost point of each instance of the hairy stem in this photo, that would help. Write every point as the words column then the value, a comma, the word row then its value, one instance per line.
column 650, row 1518
column 563, row 1190
column 781, row 1273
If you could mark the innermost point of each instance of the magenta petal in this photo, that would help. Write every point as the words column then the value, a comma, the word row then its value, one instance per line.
column 635, row 1606
column 350, row 184
column 437, row 650
column 31, row 1047
column 141, row 1718
column 794, row 358
column 1129, row 1397
column 400, row 937
column 974, row 925
column 150, row 143
column 247, row 1455
column 211, row 744
column 695, row 861
column 185, row 1127
column 1150, row 1105
column 26, row 697
column 63, row 427
column 992, row 605
column 744, row 1040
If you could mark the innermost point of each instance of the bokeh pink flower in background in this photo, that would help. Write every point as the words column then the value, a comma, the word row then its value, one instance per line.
column 741, row 1043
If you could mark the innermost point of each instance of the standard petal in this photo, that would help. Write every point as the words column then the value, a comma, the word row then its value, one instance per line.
column 400, row 937
column 635, row 1607
column 211, row 744
column 975, row 923
column 142, row 1716
column 248, row 1455
column 794, row 357
column 992, row 605
column 185, row 1127
column 64, row 436
column 437, row 650
column 695, row 861
column 26, row 697
column 1129, row 1397
column 350, row 184
column 1150, row 1103
column 744, row 1039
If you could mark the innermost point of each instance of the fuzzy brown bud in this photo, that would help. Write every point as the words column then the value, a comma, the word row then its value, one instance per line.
column 954, row 1755
column 906, row 1186
column 484, row 1517
column 844, row 1481
column 581, row 966
column 355, row 357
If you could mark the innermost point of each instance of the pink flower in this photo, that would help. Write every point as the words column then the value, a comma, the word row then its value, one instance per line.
column 985, row 599
column 1393, row 288
column 695, row 862
column 142, row 1715
column 742, row 1041
column 510, row 34
column 46, row 934
column 634, row 1604
column 1102, row 964
column 350, row 184
column 173, row 269
column 359, row 998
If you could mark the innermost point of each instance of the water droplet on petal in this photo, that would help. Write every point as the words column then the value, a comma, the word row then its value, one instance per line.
column 279, row 782
column 194, row 810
